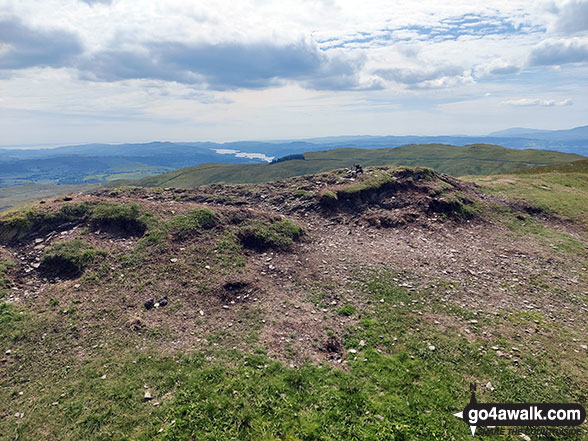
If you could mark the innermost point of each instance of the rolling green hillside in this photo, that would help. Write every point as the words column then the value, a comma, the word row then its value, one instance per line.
column 476, row 159
column 562, row 188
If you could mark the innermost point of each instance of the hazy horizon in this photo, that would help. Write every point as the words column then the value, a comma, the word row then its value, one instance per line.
column 53, row 146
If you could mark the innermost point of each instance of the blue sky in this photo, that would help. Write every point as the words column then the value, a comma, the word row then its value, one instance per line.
column 80, row 71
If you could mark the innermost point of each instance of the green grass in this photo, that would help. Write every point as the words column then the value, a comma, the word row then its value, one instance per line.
column 194, row 222
column 347, row 310
column 473, row 159
column 21, row 224
column 227, row 253
column 554, row 240
column 263, row 235
column 455, row 206
column 17, row 225
column 5, row 265
column 125, row 218
column 69, row 258
column 372, row 183
column 328, row 198
column 561, row 189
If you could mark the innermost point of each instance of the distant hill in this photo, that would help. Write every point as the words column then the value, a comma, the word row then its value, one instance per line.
column 474, row 159
column 518, row 131
column 575, row 134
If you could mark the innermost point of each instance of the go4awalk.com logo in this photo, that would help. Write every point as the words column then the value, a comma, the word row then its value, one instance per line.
column 520, row 414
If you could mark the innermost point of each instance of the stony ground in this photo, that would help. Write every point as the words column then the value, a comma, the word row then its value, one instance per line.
column 477, row 263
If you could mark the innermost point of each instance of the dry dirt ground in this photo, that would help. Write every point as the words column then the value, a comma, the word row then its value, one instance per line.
column 286, row 301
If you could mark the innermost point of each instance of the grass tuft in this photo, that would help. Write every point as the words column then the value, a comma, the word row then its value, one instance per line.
column 68, row 259
column 261, row 235
column 193, row 223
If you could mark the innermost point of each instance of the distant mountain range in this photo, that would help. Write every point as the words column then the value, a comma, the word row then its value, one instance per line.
column 93, row 163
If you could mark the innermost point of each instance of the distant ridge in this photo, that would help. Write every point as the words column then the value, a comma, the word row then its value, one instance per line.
column 518, row 131
column 575, row 134
column 473, row 159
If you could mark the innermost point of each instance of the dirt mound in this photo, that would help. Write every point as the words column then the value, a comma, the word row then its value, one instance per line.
column 271, row 262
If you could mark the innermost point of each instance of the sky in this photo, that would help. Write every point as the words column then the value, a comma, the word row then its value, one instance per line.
column 84, row 71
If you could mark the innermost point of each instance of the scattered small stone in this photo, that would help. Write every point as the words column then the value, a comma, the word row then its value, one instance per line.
column 500, row 353
column 353, row 351
column 201, row 312
column 489, row 386
column 474, row 322
column 103, row 377
column 39, row 240
column 55, row 403
column 19, row 415
column 525, row 437
column 432, row 348
column 362, row 343
column 173, row 260
column 147, row 396
column 207, row 267
column 495, row 348
column 8, row 352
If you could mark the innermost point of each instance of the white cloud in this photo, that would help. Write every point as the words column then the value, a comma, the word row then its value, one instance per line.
column 562, row 51
column 572, row 16
column 538, row 102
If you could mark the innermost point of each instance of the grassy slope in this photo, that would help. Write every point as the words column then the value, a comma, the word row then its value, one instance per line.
column 474, row 159
column 20, row 194
column 561, row 188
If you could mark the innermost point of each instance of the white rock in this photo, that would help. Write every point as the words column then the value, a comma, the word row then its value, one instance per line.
column 432, row 348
